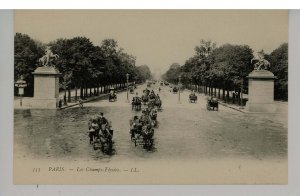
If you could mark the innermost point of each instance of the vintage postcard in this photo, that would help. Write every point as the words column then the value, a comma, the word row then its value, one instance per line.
column 151, row 97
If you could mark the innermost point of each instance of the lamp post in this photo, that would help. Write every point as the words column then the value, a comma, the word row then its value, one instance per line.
column 135, row 79
column 179, row 85
column 21, row 84
column 127, row 78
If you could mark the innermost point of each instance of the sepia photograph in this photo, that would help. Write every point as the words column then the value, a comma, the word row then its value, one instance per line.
column 150, row 97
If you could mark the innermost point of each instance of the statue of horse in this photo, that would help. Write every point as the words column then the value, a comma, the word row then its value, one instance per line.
column 47, row 59
column 260, row 63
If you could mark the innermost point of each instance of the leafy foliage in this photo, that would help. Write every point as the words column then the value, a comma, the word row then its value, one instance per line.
column 27, row 53
column 81, row 63
column 227, row 66
column 279, row 67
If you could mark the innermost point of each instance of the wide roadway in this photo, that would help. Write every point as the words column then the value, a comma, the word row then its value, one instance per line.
column 186, row 131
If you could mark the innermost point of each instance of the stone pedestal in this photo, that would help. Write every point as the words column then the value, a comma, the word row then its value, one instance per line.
column 46, row 88
column 261, row 92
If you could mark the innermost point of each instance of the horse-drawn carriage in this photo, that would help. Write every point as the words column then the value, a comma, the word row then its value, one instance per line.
column 112, row 95
column 212, row 104
column 141, row 134
column 101, row 138
column 193, row 98
column 136, row 103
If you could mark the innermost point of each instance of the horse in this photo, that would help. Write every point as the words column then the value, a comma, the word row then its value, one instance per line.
column 260, row 64
column 47, row 59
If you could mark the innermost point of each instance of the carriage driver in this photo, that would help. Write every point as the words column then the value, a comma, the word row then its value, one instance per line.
column 157, row 96
column 111, row 92
column 102, row 121
column 193, row 93
column 93, row 128
column 134, row 125
column 136, row 97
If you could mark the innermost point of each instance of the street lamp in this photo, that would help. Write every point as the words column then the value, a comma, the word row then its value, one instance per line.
column 21, row 84
column 179, row 85
column 135, row 79
column 127, row 78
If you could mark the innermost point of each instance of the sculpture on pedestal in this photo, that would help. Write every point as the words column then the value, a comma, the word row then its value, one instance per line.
column 48, row 58
column 46, row 82
column 261, row 86
column 260, row 62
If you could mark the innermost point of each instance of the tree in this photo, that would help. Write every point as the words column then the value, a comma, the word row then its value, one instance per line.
column 143, row 73
column 78, row 60
column 173, row 73
column 27, row 53
column 279, row 67
column 205, row 48
column 230, row 64
column 81, row 63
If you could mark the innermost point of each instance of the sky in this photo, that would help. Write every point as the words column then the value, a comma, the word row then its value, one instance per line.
column 159, row 38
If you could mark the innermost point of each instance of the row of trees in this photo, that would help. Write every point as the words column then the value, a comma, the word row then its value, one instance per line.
column 82, row 64
column 225, row 68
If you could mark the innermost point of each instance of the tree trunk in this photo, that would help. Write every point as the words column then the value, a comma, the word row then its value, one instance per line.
column 81, row 92
column 69, row 95
column 65, row 97
column 233, row 97
column 227, row 96
column 85, row 91
column 76, row 93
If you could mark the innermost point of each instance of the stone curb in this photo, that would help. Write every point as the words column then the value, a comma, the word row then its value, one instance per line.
column 231, row 107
